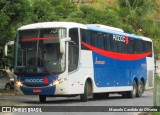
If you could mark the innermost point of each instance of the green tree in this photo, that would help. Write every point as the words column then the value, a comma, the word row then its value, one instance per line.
column 91, row 15
column 42, row 11
column 52, row 10
column 63, row 8
column 141, row 14
column 13, row 13
column 138, row 13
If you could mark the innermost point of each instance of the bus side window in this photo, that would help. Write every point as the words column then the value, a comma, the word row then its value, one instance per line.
column 104, row 41
column 99, row 43
column 149, row 47
column 88, row 37
column 83, row 35
column 83, row 38
column 94, row 38
column 73, row 33
column 107, row 42
column 122, row 46
column 140, row 47
column 131, row 46
column 114, row 44
column 136, row 50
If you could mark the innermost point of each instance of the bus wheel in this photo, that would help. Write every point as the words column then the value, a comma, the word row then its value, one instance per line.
column 87, row 92
column 133, row 93
column 42, row 98
column 140, row 89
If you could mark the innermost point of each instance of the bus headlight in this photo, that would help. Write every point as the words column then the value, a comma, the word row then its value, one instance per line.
column 19, row 83
column 59, row 81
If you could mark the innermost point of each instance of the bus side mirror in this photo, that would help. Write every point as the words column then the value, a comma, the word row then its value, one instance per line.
column 5, row 50
column 6, row 47
column 62, row 44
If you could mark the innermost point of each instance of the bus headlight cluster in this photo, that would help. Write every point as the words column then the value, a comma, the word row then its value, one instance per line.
column 19, row 83
column 59, row 81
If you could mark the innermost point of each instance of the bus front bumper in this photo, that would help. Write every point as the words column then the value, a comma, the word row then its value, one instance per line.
column 48, row 90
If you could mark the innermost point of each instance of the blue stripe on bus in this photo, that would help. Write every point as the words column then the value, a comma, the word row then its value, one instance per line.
column 110, row 72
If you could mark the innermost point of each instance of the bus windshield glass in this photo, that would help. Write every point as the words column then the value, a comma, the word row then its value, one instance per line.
column 38, row 51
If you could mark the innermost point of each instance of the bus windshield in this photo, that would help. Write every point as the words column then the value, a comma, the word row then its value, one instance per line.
column 38, row 51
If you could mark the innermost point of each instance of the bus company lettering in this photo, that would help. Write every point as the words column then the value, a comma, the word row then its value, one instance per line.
column 34, row 80
column 44, row 80
column 99, row 62
column 121, row 38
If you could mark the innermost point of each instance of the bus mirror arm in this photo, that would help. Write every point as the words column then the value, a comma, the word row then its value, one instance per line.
column 62, row 44
column 72, row 42
column 6, row 47
column 68, row 39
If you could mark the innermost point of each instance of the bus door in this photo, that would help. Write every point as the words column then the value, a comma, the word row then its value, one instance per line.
column 73, row 50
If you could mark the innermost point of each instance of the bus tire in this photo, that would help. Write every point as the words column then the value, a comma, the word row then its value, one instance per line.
column 133, row 93
column 42, row 98
column 87, row 92
column 140, row 89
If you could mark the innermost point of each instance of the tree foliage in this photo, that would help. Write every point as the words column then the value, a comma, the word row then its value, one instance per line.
column 12, row 14
column 141, row 15
column 63, row 8
column 90, row 15
column 42, row 11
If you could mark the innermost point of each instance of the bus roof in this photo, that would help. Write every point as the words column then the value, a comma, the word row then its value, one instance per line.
column 146, row 38
column 83, row 26
column 107, row 27
column 52, row 24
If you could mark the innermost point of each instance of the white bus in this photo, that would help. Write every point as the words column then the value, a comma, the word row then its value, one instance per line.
column 71, row 59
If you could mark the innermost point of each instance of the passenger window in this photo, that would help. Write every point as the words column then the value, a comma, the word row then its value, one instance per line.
column 99, row 43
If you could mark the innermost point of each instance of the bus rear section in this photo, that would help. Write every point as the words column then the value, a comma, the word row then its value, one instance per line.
column 120, row 61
